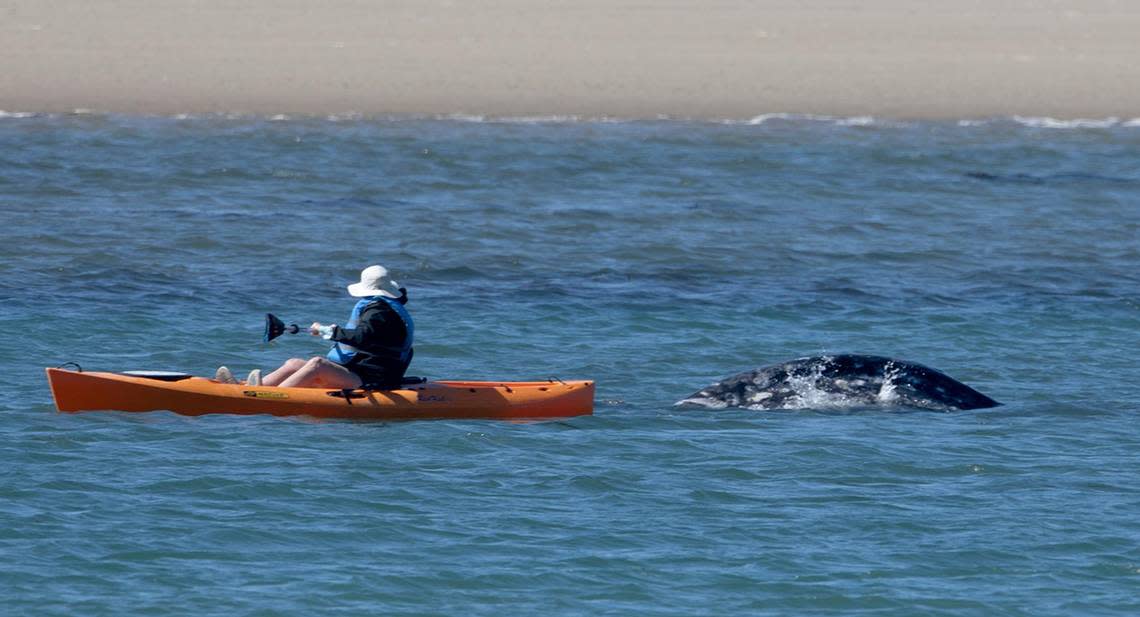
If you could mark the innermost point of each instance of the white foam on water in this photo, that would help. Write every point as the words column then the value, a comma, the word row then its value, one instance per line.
column 16, row 114
column 887, row 391
column 1027, row 121
column 809, row 394
column 554, row 119
column 761, row 119
column 536, row 119
column 1041, row 122
column 856, row 121
column 836, row 120
column 463, row 118
column 347, row 116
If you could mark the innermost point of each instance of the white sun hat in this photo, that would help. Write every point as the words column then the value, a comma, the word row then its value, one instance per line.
column 374, row 281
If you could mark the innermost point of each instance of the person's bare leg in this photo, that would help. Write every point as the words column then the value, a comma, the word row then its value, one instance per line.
column 292, row 365
column 322, row 373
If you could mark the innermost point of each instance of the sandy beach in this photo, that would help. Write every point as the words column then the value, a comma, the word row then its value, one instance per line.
column 727, row 59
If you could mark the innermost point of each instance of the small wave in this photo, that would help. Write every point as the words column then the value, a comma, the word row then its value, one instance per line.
column 761, row 119
column 463, row 118
column 536, row 119
column 347, row 116
column 554, row 119
column 16, row 114
column 1132, row 124
column 835, row 120
column 1076, row 123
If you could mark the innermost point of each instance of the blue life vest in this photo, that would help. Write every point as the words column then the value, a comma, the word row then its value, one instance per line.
column 342, row 353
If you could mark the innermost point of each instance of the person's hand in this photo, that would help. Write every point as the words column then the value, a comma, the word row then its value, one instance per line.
column 317, row 329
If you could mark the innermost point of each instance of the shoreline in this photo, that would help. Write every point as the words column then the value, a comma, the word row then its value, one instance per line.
column 888, row 59
column 1031, row 122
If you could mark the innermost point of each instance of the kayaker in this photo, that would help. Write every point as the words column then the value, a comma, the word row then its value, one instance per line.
column 373, row 349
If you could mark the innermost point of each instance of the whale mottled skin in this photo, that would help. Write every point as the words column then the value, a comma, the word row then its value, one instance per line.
column 847, row 380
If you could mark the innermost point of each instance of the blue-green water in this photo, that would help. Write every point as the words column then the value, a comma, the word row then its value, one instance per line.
column 654, row 257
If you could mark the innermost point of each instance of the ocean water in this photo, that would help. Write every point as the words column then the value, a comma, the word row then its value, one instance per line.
column 653, row 257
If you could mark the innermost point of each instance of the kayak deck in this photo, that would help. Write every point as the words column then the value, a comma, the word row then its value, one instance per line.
column 99, row 391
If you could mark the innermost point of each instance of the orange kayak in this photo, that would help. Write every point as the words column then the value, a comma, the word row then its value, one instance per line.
column 183, row 394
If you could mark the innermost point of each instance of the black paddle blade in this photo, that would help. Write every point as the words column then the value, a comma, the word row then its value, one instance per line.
column 273, row 327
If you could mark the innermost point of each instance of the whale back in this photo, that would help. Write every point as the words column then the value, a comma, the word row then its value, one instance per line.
column 839, row 381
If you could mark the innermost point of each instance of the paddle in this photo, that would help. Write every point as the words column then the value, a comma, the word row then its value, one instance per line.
column 274, row 327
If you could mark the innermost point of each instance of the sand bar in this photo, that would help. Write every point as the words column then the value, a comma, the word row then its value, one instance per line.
column 621, row 58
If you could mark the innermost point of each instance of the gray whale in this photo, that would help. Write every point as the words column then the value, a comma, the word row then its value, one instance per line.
column 848, row 380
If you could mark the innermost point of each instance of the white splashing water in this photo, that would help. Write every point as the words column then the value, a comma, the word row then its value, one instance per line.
column 855, row 121
column 888, row 393
column 809, row 393
column 836, row 120
column 1076, row 123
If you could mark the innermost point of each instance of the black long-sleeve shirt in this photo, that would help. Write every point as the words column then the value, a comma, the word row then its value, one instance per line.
column 379, row 338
